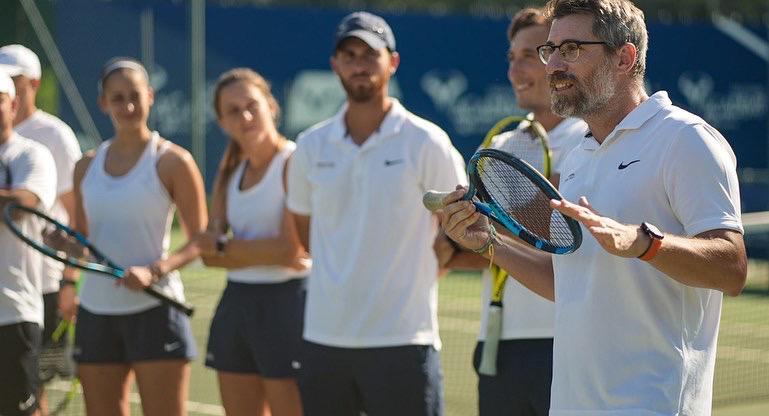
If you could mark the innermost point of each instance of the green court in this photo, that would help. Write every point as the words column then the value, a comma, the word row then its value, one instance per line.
column 742, row 368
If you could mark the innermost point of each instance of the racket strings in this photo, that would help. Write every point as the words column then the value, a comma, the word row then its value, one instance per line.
column 524, row 201
column 527, row 147
column 65, row 244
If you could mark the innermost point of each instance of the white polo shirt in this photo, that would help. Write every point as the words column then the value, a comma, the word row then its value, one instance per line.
column 60, row 140
column 527, row 315
column 31, row 168
column 629, row 340
column 374, row 275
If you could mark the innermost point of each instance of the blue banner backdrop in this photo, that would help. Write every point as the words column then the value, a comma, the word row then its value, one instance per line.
column 453, row 69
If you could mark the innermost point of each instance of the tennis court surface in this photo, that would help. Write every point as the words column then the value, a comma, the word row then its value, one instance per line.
column 742, row 366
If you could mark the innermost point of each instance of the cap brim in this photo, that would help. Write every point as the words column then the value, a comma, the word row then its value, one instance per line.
column 12, row 70
column 374, row 41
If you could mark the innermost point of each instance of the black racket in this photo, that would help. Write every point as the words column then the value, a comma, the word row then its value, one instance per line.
column 515, row 195
column 5, row 175
column 72, row 248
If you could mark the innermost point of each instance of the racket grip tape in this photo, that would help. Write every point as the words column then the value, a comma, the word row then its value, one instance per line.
column 433, row 200
column 488, row 365
column 161, row 296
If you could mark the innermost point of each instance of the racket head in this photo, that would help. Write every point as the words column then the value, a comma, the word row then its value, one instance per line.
column 518, row 196
column 526, row 139
column 56, row 240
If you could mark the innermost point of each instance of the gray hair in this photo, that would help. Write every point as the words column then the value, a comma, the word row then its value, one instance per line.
column 615, row 22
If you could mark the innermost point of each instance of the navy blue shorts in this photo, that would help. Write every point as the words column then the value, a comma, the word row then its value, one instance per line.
column 19, row 350
column 404, row 381
column 160, row 333
column 257, row 328
column 522, row 384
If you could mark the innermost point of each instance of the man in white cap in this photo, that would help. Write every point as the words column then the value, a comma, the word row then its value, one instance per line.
column 31, row 122
column 27, row 177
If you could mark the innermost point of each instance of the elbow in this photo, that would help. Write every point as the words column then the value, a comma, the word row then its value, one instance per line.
column 738, row 278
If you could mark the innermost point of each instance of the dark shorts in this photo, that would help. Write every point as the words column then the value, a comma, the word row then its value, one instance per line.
column 403, row 381
column 51, row 319
column 19, row 349
column 257, row 328
column 160, row 333
column 522, row 384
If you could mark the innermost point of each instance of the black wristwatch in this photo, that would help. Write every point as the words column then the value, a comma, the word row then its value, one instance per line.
column 67, row 282
column 656, row 236
column 221, row 244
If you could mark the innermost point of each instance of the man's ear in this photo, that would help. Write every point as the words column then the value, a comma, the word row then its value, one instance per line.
column 628, row 55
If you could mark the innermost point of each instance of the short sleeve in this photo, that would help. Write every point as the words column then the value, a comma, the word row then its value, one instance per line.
column 299, row 195
column 701, row 180
column 66, row 154
column 442, row 166
column 33, row 170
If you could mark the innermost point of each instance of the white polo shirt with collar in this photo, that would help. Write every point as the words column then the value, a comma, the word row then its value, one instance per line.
column 374, row 276
column 629, row 340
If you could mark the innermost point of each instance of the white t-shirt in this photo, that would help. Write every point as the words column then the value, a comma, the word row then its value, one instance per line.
column 129, row 220
column 257, row 213
column 31, row 167
column 527, row 315
column 59, row 138
column 374, row 276
column 630, row 340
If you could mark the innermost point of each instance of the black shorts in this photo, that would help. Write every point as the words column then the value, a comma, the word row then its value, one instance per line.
column 155, row 334
column 257, row 329
column 522, row 384
column 402, row 380
column 52, row 319
column 19, row 349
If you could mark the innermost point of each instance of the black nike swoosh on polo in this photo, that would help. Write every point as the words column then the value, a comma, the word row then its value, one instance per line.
column 623, row 165
column 393, row 162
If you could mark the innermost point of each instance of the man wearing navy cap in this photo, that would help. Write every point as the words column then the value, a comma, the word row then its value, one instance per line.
column 371, row 327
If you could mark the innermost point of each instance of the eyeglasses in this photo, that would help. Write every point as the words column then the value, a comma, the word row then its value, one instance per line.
column 568, row 49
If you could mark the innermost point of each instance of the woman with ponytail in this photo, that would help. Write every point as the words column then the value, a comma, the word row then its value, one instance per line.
column 256, row 331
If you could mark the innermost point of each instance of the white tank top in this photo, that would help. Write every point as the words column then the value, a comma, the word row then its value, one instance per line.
column 257, row 212
column 129, row 220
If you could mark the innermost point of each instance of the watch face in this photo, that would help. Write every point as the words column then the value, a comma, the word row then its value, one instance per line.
column 653, row 231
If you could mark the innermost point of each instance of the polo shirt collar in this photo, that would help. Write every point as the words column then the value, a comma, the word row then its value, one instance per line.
column 391, row 125
column 633, row 121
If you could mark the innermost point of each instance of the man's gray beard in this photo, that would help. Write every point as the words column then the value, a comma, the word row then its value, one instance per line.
column 601, row 88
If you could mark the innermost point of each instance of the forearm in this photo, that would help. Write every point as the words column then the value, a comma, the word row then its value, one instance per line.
column 532, row 268
column 707, row 261
column 178, row 259
column 19, row 196
column 467, row 260
column 263, row 252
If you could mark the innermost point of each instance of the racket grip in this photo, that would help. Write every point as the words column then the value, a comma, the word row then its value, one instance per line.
column 433, row 200
column 488, row 366
column 161, row 296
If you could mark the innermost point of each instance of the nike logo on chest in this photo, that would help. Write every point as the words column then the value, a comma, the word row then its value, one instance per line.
column 623, row 165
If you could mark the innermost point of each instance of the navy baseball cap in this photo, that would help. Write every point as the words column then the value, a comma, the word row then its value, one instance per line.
column 367, row 27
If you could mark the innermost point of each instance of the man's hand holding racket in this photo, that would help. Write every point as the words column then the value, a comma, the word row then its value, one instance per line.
column 462, row 222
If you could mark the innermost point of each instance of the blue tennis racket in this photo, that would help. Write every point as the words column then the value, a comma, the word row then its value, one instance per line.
column 516, row 196
column 68, row 246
